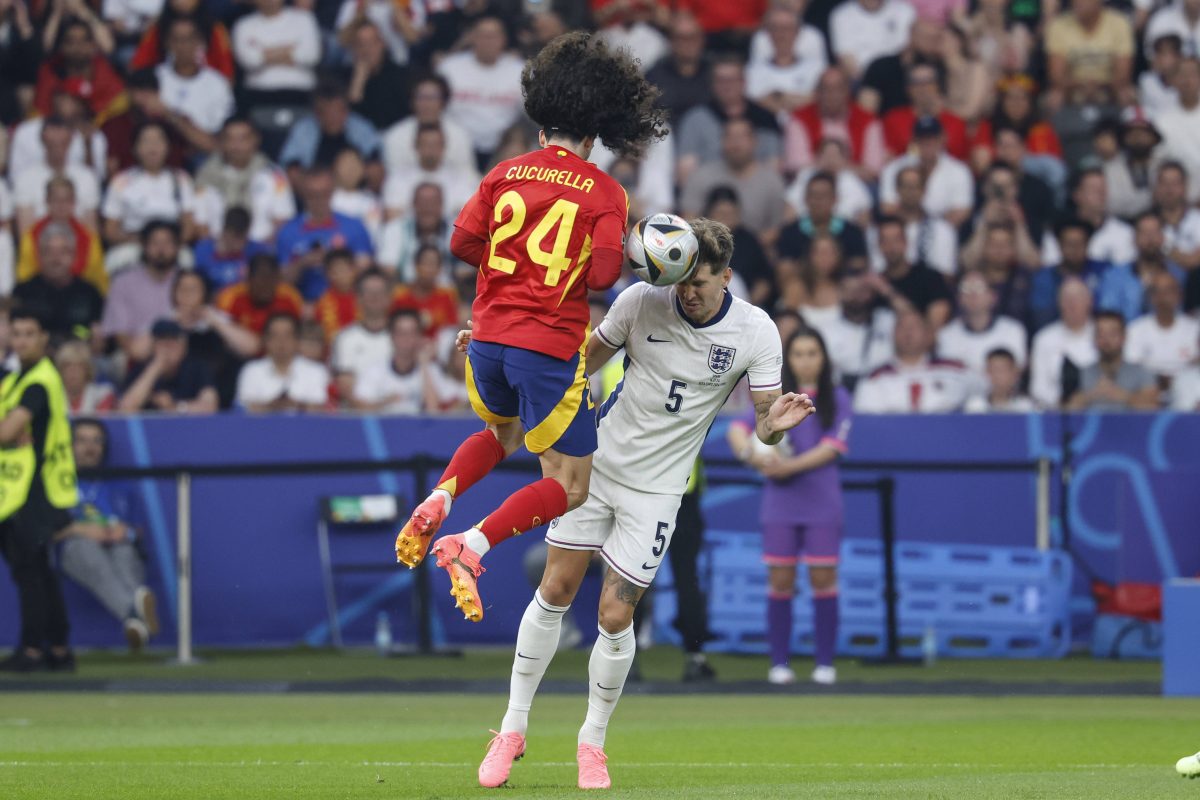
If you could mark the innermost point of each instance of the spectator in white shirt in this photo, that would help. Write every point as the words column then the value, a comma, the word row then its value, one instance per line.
column 1165, row 340
column 1180, row 126
column 1181, row 222
column 861, row 31
column 633, row 28
column 915, row 381
column 368, row 340
column 1112, row 239
column 129, row 18
column 402, row 237
column 429, row 98
column 931, row 240
column 485, row 86
column 190, row 88
column 1071, row 338
column 785, row 79
column 149, row 191
column 282, row 380
column 278, row 49
column 1156, row 86
column 352, row 195
column 29, row 183
column 431, row 167
column 861, row 341
column 401, row 384
column 949, row 187
column 854, row 200
column 1003, row 393
column 1185, row 390
column 88, row 146
column 243, row 176
column 978, row 329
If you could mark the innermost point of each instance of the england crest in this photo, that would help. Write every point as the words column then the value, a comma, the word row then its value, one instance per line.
column 720, row 359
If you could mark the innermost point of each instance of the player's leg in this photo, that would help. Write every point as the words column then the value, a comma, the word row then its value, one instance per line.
column 822, row 544
column 779, row 554
column 497, row 404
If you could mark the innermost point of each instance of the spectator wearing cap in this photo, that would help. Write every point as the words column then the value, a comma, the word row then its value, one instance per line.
column 1124, row 287
column 151, row 190
column 1181, row 222
column 88, row 259
column 1111, row 241
column 783, row 78
column 436, row 304
column 317, row 138
column 303, row 242
column 759, row 187
column 88, row 147
column 1180, row 127
column 378, row 90
column 85, row 395
column 854, row 198
column 78, row 67
column 978, row 329
column 915, row 381
column 1130, row 170
column 698, row 136
column 1165, row 340
column 261, row 296
column 457, row 184
column 861, row 31
column 682, row 75
column 949, row 187
column 749, row 260
column 1003, row 387
column 931, row 240
column 218, row 49
column 884, row 85
column 925, row 100
column 1072, row 260
column 430, row 94
column 141, row 294
column 1089, row 48
column 282, row 380
column 222, row 259
column 145, row 105
column 244, row 177
column 31, row 181
column 1113, row 383
column 820, row 218
column 68, row 306
column 485, row 85
column 1156, row 86
column 278, row 48
column 1179, row 18
column 1017, row 109
column 920, row 287
column 198, row 98
column 172, row 381
column 1064, row 347
column 834, row 115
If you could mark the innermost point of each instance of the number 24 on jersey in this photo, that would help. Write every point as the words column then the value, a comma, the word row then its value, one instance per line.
column 555, row 260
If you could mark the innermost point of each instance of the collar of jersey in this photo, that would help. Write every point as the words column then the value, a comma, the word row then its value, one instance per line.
column 720, row 315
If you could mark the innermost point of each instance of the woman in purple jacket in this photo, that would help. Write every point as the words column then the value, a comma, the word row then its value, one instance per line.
column 802, row 504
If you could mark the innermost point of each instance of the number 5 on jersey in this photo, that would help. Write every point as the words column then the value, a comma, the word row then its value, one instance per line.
column 676, row 399
column 555, row 260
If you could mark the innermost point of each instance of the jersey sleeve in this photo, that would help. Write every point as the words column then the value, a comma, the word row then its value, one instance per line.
column 476, row 212
column 765, row 368
column 618, row 322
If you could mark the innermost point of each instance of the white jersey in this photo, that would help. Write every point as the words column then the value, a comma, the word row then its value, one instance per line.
column 678, row 375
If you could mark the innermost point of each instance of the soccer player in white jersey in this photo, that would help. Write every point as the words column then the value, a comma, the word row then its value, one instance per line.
column 686, row 347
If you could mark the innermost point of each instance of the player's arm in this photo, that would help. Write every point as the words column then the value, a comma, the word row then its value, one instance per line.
column 598, row 352
column 471, row 234
column 775, row 413
column 608, row 248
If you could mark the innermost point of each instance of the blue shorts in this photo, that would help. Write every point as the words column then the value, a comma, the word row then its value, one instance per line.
column 550, row 396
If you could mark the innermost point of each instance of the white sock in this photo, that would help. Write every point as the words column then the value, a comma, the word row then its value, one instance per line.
column 537, row 641
column 477, row 541
column 447, row 499
column 609, row 666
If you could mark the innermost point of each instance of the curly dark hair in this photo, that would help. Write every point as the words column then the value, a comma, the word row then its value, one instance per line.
column 579, row 86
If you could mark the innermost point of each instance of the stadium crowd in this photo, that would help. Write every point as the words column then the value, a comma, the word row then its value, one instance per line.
column 981, row 206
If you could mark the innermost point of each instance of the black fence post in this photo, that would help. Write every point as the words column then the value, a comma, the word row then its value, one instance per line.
column 891, row 596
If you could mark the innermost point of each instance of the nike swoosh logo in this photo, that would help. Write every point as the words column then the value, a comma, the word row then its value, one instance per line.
column 522, row 655
column 648, row 566
column 651, row 338
column 608, row 688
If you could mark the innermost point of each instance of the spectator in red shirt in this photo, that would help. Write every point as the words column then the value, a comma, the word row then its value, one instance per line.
column 218, row 52
column 338, row 306
column 729, row 24
column 144, row 106
column 261, row 296
column 834, row 115
column 925, row 96
column 437, row 305
column 78, row 68
column 1017, row 109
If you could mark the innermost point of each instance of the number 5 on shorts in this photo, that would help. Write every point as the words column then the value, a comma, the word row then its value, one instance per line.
column 660, row 539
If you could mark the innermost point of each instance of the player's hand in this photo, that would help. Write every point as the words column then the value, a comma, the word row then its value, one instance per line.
column 463, row 340
column 788, row 411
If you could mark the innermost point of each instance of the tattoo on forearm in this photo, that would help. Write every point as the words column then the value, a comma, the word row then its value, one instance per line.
column 763, row 407
column 626, row 592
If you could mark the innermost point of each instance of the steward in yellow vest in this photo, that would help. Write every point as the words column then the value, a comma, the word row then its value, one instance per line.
column 37, row 490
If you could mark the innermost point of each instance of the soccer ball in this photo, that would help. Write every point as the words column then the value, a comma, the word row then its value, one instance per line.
column 662, row 249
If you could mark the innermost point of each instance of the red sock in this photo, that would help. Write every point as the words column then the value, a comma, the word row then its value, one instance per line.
column 525, row 509
column 473, row 459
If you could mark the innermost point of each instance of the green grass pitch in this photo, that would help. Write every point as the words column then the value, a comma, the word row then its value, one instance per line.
column 57, row 744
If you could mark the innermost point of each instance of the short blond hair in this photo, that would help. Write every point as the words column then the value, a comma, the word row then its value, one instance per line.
column 75, row 352
column 716, row 243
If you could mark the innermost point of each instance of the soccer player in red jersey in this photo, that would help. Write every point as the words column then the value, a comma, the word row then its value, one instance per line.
column 544, row 228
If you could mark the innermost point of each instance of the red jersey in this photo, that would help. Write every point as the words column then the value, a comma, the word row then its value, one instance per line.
column 542, row 215
column 438, row 309
column 335, row 310
column 235, row 301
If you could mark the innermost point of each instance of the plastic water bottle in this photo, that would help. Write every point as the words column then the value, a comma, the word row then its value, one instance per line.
column 383, row 634
column 929, row 646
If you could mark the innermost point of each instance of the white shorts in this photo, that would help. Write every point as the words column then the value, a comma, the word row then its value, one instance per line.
column 631, row 529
